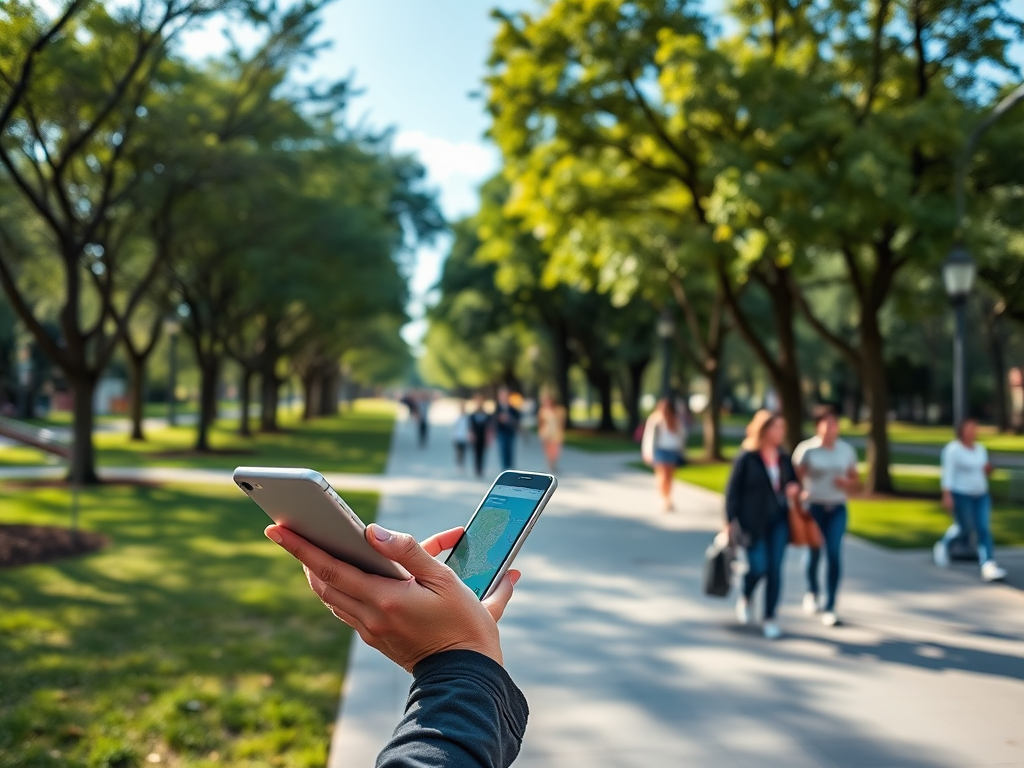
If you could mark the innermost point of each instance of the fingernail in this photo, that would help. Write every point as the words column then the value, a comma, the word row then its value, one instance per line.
column 515, row 577
column 381, row 534
column 273, row 535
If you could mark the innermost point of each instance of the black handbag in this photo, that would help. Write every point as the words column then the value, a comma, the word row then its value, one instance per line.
column 718, row 560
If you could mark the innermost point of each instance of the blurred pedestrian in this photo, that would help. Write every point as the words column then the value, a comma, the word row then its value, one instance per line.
column 551, row 429
column 506, row 428
column 461, row 436
column 965, row 493
column 761, row 485
column 480, row 425
column 422, row 411
column 662, row 447
column 827, row 468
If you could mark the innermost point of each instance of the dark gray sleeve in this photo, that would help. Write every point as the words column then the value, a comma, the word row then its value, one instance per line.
column 463, row 711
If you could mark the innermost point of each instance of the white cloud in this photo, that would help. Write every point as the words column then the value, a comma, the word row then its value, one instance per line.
column 457, row 169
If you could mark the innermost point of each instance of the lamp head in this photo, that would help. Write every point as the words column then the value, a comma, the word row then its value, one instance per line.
column 958, row 273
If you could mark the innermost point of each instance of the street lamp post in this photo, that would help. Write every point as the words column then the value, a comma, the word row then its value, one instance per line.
column 172, row 326
column 958, row 273
column 666, row 331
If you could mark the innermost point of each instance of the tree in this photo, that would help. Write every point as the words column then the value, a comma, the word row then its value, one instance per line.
column 73, row 100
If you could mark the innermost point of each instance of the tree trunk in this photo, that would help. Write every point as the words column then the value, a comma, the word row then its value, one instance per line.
column 136, row 393
column 712, row 418
column 631, row 393
column 601, row 380
column 994, row 336
column 329, row 392
column 269, row 385
column 209, row 373
column 83, row 459
column 876, row 392
column 311, row 384
column 244, row 401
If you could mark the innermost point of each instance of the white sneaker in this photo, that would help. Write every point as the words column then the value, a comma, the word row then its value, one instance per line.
column 772, row 631
column 990, row 571
column 829, row 618
column 940, row 554
column 811, row 604
column 743, row 611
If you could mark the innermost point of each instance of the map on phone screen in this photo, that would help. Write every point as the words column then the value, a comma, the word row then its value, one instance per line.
column 492, row 534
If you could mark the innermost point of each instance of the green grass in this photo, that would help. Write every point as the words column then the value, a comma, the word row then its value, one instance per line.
column 355, row 441
column 191, row 637
column 900, row 523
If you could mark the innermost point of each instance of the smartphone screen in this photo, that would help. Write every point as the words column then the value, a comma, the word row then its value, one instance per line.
column 490, row 539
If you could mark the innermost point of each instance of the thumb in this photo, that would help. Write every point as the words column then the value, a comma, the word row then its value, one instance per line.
column 496, row 603
column 407, row 552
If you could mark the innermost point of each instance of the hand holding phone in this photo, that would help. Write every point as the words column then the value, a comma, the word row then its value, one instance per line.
column 496, row 531
column 407, row 620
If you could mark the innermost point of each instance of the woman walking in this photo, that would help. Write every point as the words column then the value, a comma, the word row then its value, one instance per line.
column 551, row 430
column 965, row 492
column 757, row 498
column 480, row 433
column 827, row 468
column 662, row 447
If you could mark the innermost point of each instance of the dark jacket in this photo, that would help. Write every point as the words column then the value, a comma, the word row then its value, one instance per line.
column 463, row 711
column 750, row 497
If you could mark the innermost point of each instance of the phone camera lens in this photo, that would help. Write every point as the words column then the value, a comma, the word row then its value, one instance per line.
column 246, row 486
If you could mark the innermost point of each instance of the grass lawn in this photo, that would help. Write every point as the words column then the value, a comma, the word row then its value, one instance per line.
column 190, row 637
column 355, row 441
column 901, row 523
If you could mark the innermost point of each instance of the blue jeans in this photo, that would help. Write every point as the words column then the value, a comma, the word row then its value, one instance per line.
column 764, row 559
column 507, row 448
column 833, row 526
column 973, row 513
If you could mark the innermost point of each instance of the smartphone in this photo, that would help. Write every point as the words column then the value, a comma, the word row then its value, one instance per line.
column 496, row 531
column 301, row 500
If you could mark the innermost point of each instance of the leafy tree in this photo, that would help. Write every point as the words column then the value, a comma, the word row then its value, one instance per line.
column 74, row 93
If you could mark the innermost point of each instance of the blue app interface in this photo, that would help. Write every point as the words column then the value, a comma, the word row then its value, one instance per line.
column 480, row 554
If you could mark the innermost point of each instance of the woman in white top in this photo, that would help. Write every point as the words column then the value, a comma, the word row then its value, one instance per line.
column 827, row 468
column 662, row 447
column 965, row 471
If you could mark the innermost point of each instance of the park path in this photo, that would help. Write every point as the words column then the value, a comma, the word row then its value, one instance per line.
column 625, row 663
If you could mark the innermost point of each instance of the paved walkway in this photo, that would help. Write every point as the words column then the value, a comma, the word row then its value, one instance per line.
column 625, row 663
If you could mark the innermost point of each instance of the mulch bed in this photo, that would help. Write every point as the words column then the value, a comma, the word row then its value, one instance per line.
column 26, row 544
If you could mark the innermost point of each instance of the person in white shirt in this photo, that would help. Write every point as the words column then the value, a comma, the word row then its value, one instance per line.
column 965, row 471
column 662, row 447
column 827, row 469
column 460, row 436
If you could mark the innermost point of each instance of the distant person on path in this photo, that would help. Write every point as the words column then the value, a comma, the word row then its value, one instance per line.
column 422, row 422
column 463, row 708
column 506, row 427
column 480, row 433
column 551, row 430
column 662, row 447
column 461, row 436
column 827, row 468
column 757, row 498
column 965, row 492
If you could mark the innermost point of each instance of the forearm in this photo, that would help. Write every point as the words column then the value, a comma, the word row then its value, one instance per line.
column 463, row 710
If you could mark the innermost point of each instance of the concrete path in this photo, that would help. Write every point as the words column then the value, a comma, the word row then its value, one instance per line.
column 625, row 663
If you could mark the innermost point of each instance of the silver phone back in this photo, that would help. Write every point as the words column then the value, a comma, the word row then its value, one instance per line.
column 301, row 500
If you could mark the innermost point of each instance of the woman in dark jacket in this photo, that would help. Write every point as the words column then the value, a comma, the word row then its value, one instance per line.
column 756, row 505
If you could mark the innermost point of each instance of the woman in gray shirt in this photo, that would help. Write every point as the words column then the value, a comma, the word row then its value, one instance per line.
column 827, row 468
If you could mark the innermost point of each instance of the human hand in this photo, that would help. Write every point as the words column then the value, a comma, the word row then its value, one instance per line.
column 407, row 621
column 792, row 490
column 947, row 501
